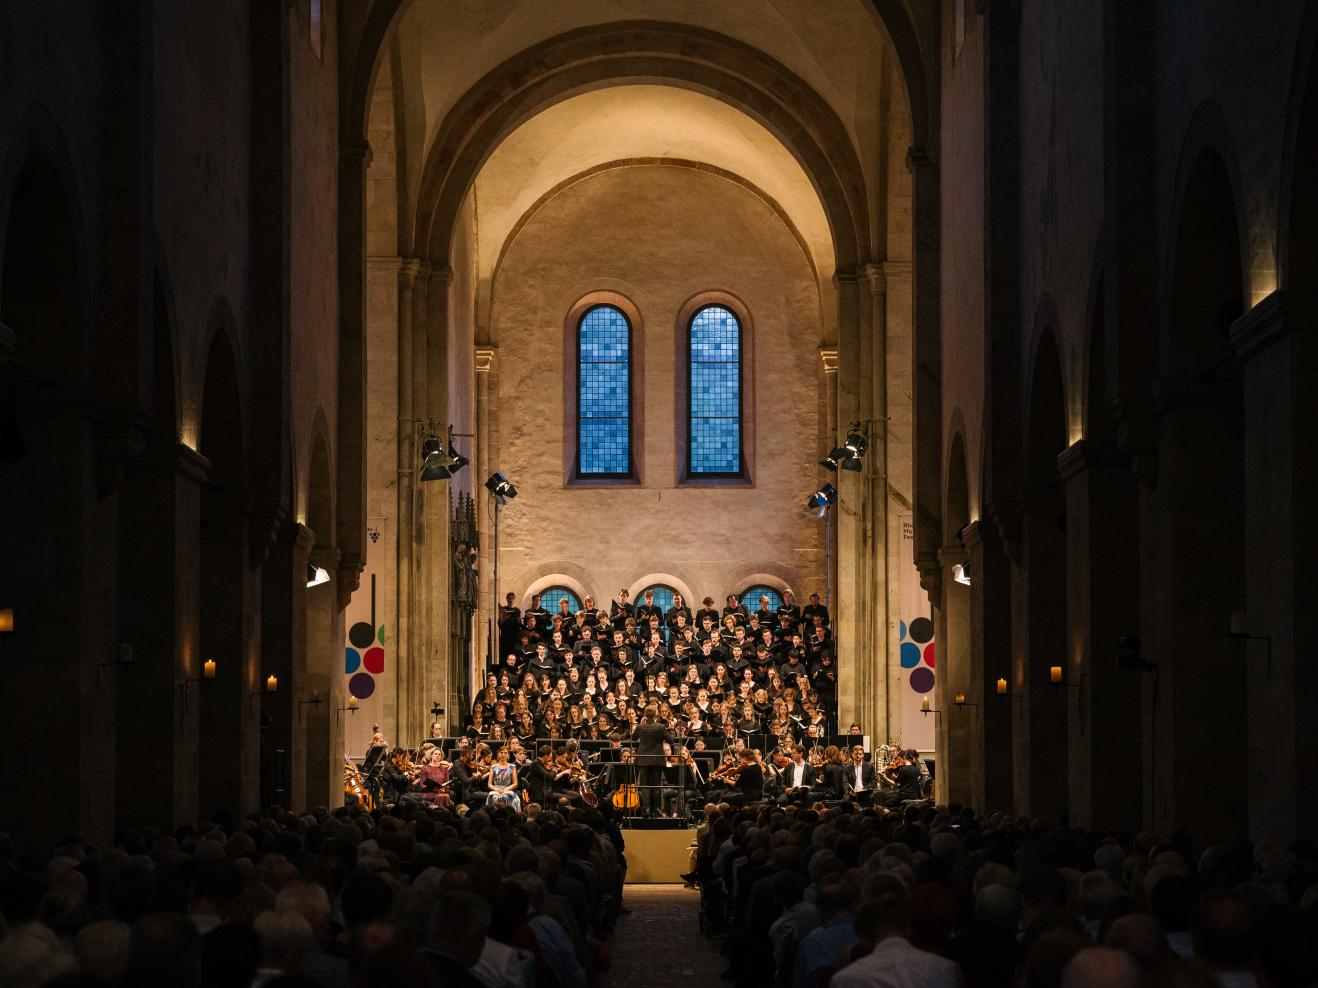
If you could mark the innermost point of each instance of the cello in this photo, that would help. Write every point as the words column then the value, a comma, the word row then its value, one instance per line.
column 353, row 786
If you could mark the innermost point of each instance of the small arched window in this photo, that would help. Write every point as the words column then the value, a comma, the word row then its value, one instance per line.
column 714, row 394
column 604, row 385
column 750, row 598
column 550, row 596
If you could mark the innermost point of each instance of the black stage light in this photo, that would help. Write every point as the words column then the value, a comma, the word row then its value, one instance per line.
column 821, row 500
column 857, row 442
column 839, row 454
column 501, row 488
column 456, row 461
column 434, row 464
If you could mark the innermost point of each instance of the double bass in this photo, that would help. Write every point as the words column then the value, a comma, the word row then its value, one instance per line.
column 353, row 786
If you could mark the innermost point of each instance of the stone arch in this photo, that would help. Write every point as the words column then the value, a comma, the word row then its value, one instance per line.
column 1199, row 526
column 165, row 396
column 1297, row 228
column 1207, row 216
column 638, row 586
column 221, row 429
column 571, row 582
column 664, row 54
column 606, row 166
column 1095, row 420
column 49, row 532
column 1041, row 641
column 771, row 573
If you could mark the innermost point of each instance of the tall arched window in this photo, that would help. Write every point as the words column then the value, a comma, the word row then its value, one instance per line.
column 604, row 384
column 663, row 596
column 714, row 394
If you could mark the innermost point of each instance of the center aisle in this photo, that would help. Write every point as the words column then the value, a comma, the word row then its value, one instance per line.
column 660, row 942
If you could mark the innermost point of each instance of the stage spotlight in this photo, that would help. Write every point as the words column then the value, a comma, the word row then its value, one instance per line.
column 434, row 464
column 316, row 575
column 857, row 442
column 838, row 455
column 961, row 573
column 501, row 488
column 821, row 500
column 456, row 461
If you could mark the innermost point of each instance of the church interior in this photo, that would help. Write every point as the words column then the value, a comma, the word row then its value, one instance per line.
column 283, row 282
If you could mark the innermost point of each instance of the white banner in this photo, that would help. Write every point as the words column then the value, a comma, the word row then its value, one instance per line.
column 915, row 649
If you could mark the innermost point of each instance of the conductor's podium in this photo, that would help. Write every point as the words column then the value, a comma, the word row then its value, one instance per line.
column 658, row 855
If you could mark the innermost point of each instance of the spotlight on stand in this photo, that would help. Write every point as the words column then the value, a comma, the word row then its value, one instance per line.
column 821, row 500
column 961, row 573
column 434, row 462
column 501, row 488
column 316, row 575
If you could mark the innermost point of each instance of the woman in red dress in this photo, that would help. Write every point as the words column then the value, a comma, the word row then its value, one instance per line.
column 433, row 781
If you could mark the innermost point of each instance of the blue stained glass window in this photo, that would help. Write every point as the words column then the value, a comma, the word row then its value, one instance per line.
column 604, row 422
column 715, row 393
column 750, row 598
column 663, row 596
column 550, row 596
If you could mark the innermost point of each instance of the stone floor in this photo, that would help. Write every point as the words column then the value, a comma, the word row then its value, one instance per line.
column 660, row 943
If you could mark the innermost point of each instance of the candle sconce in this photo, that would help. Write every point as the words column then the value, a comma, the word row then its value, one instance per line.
column 959, row 701
column 208, row 671
column 1239, row 633
column 271, row 687
column 1002, row 691
column 123, row 656
column 6, row 624
column 352, row 706
column 1057, row 682
column 315, row 701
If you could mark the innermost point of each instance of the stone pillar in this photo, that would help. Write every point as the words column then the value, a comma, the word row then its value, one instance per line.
column 1103, row 604
column 283, row 655
column 487, row 635
column 411, row 403
column 1277, row 341
column 959, row 758
column 52, row 544
column 313, row 722
column 991, row 660
column 228, row 777
column 156, row 738
column 1038, row 643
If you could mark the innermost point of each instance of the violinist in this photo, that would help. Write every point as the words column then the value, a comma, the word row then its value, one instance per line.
column 433, row 779
column 798, row 776
column 541, row 778
column 396, row 775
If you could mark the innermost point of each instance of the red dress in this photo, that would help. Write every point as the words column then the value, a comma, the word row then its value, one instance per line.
column 433, row 775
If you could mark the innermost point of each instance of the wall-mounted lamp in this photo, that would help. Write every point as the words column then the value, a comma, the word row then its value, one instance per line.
column 1239, row 633
column 6, row 623
column 959, row 701
column 352, row 706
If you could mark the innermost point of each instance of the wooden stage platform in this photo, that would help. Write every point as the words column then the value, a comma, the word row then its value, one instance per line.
column 658, row 857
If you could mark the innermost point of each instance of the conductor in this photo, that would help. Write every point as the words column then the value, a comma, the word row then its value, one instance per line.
column 650, row 738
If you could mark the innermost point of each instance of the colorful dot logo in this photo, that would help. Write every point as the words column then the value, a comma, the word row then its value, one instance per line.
column 363, row 658
column 917, row 652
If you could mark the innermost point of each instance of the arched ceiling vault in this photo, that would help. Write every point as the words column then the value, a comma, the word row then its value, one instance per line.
column 580, row 62
column 650, row 124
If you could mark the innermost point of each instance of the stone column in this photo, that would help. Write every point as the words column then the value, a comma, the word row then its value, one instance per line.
column 1038, row 643
column 487, row 636
column 283, row 655
column 1105, row 766
column 156, row 739
column 412, row 276
column 1277, row 341
column 991, row 660
column 228, row 775
column 958, row 732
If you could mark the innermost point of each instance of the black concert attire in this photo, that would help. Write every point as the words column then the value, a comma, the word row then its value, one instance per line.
column 650, row 738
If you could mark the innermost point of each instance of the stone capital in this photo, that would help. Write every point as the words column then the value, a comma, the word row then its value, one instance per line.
column 845, row 276
column 1277, row 316
column 441, row 273
column 484, row 359
column 355, row 151
column 953, row 555
column 176, row 457
column 828, row 357
column 1085, row 455
column 349, row 575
